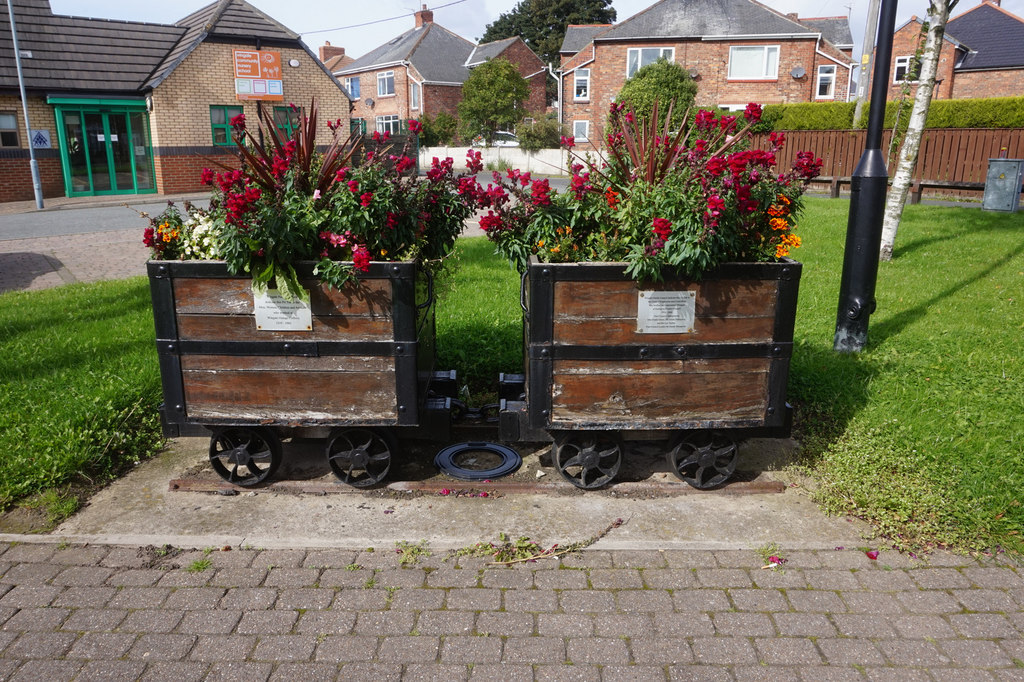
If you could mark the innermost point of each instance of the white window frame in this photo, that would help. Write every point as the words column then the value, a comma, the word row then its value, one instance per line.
column 581, row 78
column 669, row 53
column 576, row 125
column 383, row 79
column 825, row 75
column 767, row 73
column 11, row 127
column 348, row 87
column 415, row 93
column 903, row 63
column 388, row 123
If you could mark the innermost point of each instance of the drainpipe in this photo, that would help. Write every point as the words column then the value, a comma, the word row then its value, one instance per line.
column 557, row 78
column 37, row 185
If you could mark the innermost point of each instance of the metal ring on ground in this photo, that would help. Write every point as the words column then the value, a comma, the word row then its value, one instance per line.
column 453, row 461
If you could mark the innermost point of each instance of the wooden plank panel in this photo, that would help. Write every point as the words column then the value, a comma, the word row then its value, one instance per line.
column 290, row 395
column 618, row 299
column 604, row 332
column 370, row 298
column 673, row 367
column 645, row 400
column 262, row 363
column 243, row 328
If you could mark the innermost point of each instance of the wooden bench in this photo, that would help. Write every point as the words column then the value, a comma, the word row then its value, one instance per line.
column 917, row 187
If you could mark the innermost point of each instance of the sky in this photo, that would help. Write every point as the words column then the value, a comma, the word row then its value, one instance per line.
column 347, row 23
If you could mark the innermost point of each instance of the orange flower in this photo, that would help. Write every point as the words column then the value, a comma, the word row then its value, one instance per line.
column 779, row 223
column 613, row 198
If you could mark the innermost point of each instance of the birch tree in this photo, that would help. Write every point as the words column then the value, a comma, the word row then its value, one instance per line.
column 938, row 15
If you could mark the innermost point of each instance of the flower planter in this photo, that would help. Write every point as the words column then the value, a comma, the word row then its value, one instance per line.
column 364, row 361
column 596, row 368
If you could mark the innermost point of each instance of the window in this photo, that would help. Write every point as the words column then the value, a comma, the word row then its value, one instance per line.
column 357, row 126
column 8, row 129
column 385, row 83
column 287, row 120
column 220, row 123
column 905, row 67
column 754, row 62
column 352, row 85
column 581, row 89
column 581, row 131
column 826, row 82
column 639, row 57
column 414, row 95
column 388, row 124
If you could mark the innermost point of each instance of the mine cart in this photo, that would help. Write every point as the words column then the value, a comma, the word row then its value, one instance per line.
column 699, row 364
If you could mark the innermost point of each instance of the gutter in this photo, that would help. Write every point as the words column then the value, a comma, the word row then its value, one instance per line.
column 849, row 69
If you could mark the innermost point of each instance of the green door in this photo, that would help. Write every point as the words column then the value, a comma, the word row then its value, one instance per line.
column 105, row 150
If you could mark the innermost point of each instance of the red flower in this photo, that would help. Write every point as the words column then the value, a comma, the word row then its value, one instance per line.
column 206, row 177
column 361, row 259
column 752, row 113
column 662, row 228
column 540, row 193
column 490, row 222
column 404, row 164
column 568, row 142
column 238, row 122
column 365, row 199
column 415, row 126
column 474, row 162
column 353, row 186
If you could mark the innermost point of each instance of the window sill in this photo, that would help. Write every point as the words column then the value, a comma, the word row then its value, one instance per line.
column 774, row 79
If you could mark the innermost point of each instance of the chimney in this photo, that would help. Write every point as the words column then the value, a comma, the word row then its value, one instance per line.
column 793, row 16
column 424, row 16
column 327, row 51
column 997, row 3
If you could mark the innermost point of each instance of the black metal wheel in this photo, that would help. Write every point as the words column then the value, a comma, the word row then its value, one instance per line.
column 359, row 457
column 478, row 461
column 243, row 455
column 705, row 459
column 589, row 460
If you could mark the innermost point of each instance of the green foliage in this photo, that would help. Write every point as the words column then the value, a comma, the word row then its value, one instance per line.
column 409, row 553
column 79, row 385
column 492, row 99
column 993, row 112
column 811, row 115
column 57, row 504
column 542, row 23
column 440, row 130
column 663, row 81
column 543, row 133
column 199, row 565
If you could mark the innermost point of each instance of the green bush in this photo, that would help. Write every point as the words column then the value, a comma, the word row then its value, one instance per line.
column 811, row 115
column 439, row 130
column 543, row 133
column 991, row 112
column 662, row 82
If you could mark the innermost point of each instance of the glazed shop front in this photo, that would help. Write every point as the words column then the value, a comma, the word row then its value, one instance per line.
column 104, row 146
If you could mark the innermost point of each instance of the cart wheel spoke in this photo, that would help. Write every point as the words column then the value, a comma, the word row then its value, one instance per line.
column 235, row 450
column 359, row 457
column 705, row 460
column 589, row 461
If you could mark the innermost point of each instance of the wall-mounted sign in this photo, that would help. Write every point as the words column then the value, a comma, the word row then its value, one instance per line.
column 41, row 139
column 258, row 75
column 666, row 312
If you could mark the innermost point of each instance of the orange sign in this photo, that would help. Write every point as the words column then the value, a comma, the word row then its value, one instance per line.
column 258, row 75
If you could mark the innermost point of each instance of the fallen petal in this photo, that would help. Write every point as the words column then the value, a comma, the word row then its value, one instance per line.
column 872, row 554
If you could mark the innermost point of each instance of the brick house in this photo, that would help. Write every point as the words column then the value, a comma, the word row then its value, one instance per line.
column 982, row 54
column 120, row 107
column 421, row 72
column 738, row 51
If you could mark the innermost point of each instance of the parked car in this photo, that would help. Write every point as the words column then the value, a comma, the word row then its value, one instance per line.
column 501, row 138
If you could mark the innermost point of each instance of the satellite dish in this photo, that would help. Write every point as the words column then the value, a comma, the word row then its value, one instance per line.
column 369, row 102
column 798, row 72
column 694, row 73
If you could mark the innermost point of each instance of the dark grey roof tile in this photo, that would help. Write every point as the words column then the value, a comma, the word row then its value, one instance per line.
column 703, row 18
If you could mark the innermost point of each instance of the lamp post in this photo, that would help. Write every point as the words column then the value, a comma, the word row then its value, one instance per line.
column 868, row 186
column 37, row 185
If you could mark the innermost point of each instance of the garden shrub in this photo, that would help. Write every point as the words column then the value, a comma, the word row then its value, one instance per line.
column 543, row 133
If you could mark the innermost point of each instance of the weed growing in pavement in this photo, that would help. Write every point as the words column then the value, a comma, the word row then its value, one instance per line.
column 199, row 565
column 771, row 555
column 409, row 554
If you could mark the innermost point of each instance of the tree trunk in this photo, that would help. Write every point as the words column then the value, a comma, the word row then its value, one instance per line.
column 938, row 15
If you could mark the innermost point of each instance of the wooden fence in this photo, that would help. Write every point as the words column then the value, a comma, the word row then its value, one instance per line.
column 954, row 155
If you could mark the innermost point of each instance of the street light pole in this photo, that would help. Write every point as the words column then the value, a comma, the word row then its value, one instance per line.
column 868, row 187
column 37, row 184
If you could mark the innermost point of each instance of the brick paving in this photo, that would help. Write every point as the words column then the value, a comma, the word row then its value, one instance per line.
column 71, row 612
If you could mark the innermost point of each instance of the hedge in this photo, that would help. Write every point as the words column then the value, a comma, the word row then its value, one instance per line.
column 992, row 112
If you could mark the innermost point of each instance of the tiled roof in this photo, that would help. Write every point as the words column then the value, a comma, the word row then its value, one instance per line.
column 481, row 53
column 835, row 30
column 76, row 53
column 437, row 53
column 993, row 36
column 578, row 36
column 704, row 18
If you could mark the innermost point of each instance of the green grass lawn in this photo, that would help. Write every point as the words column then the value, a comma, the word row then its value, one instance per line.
column 919, row 434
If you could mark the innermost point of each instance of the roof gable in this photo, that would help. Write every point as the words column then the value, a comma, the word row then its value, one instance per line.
column 438, row 54
column 481, row 53
column 835, row 30
column 993, row 36
column 704, row 18
column 578, row 36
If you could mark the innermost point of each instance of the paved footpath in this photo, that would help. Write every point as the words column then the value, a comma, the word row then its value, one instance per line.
column 112, row 613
